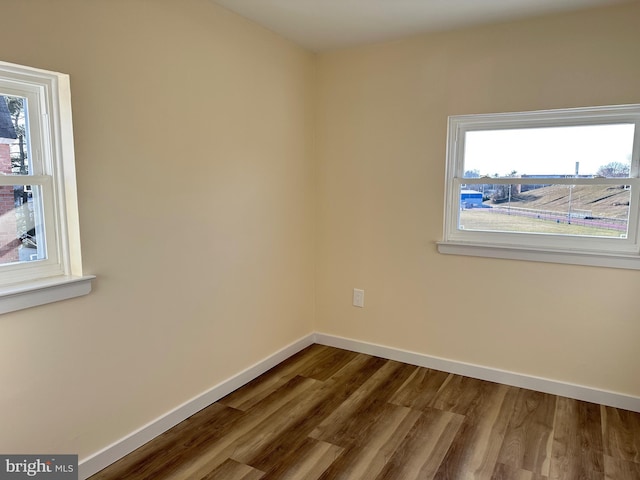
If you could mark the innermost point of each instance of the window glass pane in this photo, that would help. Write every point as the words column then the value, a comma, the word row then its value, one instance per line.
column 14, row 136
column 584, row 151
column 21, row 224
column 577, row 210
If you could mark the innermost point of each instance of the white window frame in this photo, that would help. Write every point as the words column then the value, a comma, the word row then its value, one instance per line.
column 605, row 252
column 52, row 164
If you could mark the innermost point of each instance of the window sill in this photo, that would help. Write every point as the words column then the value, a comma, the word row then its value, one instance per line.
column 550, row 256
column 41, row 292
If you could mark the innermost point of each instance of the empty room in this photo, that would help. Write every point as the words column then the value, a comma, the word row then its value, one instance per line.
column 305, row 239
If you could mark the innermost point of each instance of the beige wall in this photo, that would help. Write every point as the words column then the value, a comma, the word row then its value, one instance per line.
column 193, row 154
column 381, row 135
column 204, row 215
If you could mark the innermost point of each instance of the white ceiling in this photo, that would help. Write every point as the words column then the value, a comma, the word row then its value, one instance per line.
column 328, row 24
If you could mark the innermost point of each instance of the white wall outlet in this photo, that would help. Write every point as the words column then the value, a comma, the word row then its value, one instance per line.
column 358, row 298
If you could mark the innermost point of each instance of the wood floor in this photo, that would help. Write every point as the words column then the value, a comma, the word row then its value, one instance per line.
column 327, row 413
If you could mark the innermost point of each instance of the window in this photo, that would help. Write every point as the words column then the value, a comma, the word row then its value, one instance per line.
column 40, row 257
column 558, row 186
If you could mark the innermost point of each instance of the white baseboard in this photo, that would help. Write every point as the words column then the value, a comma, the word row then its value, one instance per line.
column 545, row 385
column 105, row 457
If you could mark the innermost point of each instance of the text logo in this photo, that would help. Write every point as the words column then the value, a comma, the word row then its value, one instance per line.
column 44, row 467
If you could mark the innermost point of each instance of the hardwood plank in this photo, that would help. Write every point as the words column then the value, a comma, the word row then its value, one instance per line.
column 420, row 389
column 365, row 458
column 232, row 470
column 224, row 447
column 487, row 409
column 617, row 469
column 261, row 387
column 505, row 472
column 529, row 437
column 577, row 441
column 169, row 452
column 462, row 395
column 346, row 423
column 327, row 363
column 335, row 391
column 310, row 461
column 621, row 433
column 264, row 435
column 421, row 452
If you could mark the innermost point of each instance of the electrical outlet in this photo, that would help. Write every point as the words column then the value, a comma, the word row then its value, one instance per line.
column 358, row 298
